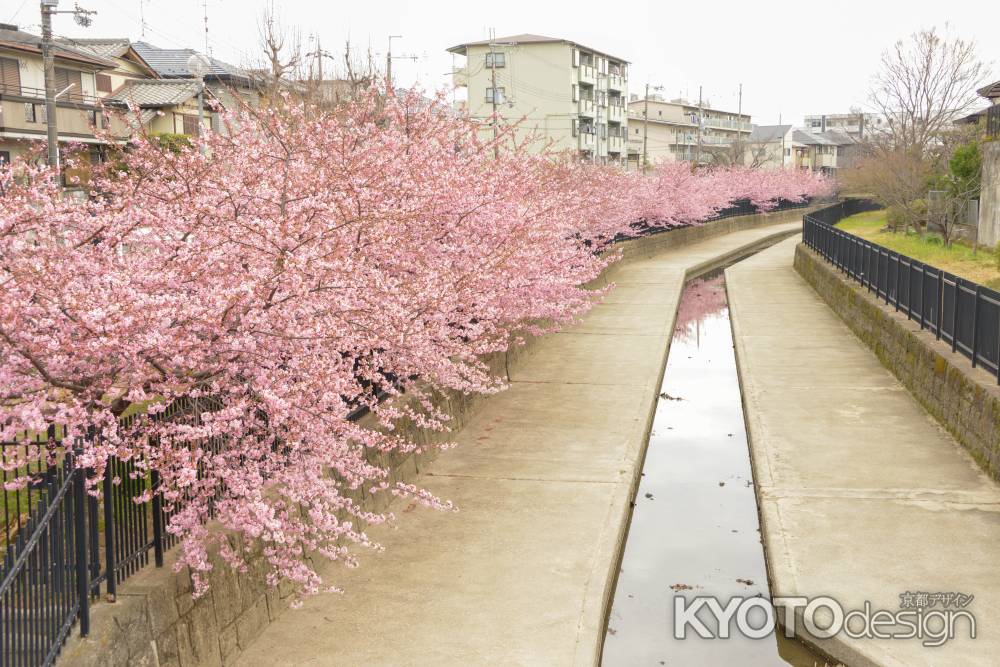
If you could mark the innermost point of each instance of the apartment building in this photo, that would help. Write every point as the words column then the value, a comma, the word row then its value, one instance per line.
column 562, row 95
column 80, row 75
column 672, row 131
column 855, row 124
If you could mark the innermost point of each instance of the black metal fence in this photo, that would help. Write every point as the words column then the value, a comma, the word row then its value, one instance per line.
column 737, row 208
column 960, row 312
column 62, row 543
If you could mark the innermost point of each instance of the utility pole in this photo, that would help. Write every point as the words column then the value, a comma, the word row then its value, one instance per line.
column 48, row 63
column 701, row 122
column 645, row 125
column 388, row 62
column 493, row 97
column 82, row 17
column 739, row 126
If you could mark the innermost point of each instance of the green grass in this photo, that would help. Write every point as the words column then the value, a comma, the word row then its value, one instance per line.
column 959, row 259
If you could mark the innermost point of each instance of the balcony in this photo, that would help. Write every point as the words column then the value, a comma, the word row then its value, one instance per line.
column 75, row 123
column 70, row 97
column 617, row 82
column 587, row 140
column 586, row 107
column 587, row 74
column 616, row 144
column 616, row 113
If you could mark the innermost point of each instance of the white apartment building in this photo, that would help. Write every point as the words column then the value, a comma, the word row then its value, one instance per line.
column 562, row 95
column 672, row 132
column 856, row 124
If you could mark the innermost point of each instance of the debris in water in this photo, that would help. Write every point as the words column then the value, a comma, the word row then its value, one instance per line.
column 680, row 587
column 612, row 631
column 722, row 483
column 649, row 495
column 668, row 397
column 745, row 582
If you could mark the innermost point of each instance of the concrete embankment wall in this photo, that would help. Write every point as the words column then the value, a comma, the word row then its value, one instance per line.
column 156, row 622
column 965, row 400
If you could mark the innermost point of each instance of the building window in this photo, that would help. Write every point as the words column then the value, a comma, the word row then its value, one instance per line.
column 29, row 114
column 499, row 97
column 496, row 59
column 66, row 78
column 103, row 83
column 191, row 125
column 4, row 157
column 10, row 76
column 92, row 118
column 788, row 152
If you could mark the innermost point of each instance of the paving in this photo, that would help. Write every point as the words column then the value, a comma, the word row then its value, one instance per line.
column 863, row 496
column 543, row 475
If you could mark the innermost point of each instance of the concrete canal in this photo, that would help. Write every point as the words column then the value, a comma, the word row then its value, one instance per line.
column 694, row 529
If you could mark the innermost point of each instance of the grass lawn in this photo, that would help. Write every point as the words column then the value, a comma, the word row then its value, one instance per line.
column 959, row 259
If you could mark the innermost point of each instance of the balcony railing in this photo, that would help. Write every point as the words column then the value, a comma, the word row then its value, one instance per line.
column 69, row 96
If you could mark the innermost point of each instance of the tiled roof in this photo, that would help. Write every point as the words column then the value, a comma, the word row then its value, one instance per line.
column 113, row 47
column 25, row 41
column 767, row 133
column 992, row 90
column 811, row 139
column 172, row 63
column 146, row 93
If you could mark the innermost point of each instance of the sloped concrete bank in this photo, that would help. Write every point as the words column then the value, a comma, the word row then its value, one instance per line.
column 964, row 399
column 863, row 496
column 576, row 465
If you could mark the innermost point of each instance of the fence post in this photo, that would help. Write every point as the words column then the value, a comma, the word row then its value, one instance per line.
column 975, row 325
column 954, row 314
column 110, row 567
column 80, row 537
column 896, row 300
column 157, row 519
column 940, row 300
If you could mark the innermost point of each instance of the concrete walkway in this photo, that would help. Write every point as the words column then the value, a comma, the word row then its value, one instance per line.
column 863, row 495
column 543, row 476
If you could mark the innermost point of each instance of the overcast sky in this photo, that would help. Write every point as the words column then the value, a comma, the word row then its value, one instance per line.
column 792, row 57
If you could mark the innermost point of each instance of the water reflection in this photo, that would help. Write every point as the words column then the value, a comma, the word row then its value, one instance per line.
column 694, row 530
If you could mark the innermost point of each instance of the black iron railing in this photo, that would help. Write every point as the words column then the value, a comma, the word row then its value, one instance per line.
column 736, row 208
column 960, row 312
column 61, row 544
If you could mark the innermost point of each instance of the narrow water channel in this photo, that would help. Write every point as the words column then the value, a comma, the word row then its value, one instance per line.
column 694, row 528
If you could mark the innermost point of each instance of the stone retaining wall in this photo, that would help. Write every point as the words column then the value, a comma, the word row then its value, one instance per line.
column 155, row 622
column 965, row 400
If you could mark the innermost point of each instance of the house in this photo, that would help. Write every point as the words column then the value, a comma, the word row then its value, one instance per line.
column 164, row 106
column 669, row 131
column 770, row 147
column 561, row 94
column 129, row 65
column 78, row 105
column 225, row 84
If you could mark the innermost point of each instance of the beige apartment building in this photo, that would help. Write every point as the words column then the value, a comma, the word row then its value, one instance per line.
column 669, row 130
column 562, row 95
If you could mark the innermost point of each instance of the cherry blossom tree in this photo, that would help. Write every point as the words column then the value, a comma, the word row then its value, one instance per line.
column 283, row 272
